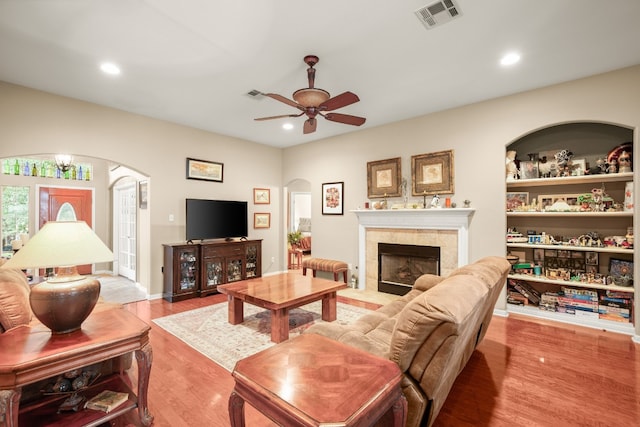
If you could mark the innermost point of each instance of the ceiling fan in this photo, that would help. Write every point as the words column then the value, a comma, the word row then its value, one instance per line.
column 313, row 101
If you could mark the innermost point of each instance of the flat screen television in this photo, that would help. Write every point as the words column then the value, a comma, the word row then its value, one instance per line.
column 216, row 219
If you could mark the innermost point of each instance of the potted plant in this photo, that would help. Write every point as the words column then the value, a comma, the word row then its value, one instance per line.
column 294, row 238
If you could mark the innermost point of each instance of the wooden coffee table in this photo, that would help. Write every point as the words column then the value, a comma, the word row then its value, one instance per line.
column 311, row 380
column 280, row 293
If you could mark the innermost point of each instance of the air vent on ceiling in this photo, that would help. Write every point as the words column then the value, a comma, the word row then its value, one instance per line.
column 255, row 93
column 438, row 13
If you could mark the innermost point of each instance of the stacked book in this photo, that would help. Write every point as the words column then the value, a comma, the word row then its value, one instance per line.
column 616, row 306
column 580, row 302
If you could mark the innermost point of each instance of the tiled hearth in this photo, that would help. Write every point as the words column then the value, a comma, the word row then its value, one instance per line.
column 445, row 228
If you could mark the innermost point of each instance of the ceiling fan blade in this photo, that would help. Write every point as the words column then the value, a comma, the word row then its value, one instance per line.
column 345, row 118
column 310, row 126
column 278, row 117
column 285, row 100
column 339, row 101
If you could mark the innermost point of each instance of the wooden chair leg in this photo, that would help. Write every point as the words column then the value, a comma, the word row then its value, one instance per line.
column 304, row 271
column 344, row 274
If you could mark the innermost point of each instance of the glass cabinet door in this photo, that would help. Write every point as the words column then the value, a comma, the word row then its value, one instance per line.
column 234, row 269
column 213, row 272
column 187, row 270
column 252, row 261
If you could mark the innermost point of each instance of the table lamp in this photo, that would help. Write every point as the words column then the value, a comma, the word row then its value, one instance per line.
column 63, row 302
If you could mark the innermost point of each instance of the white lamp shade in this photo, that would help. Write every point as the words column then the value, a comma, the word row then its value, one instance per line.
column 61, row 244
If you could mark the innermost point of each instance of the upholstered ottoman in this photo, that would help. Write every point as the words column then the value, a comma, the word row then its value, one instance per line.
column 328, row 265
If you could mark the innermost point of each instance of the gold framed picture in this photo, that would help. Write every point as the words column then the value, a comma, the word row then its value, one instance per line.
column 261, row 220
column 432, row 173
column 261, row 196
column 384, row 178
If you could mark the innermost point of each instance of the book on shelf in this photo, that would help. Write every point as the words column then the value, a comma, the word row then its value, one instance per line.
column 106, row 400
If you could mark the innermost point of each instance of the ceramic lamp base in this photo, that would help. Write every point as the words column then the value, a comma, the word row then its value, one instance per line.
column 63, row 306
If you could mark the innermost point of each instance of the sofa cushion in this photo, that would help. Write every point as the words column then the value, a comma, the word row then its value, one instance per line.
column 434, row 316
column 14, row 299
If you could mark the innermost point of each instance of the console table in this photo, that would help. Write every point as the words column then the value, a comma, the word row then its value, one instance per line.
column 314, row 381
column 31, row 354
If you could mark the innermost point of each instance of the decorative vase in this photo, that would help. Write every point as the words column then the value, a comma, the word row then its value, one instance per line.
column 628, row 196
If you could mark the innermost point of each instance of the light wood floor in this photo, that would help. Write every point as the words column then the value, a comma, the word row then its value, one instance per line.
column 525, row 373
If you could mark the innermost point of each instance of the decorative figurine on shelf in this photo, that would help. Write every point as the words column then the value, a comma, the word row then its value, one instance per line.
column 601, row 167
column 511, row 167
column 435, row 202
column 467, row 203
column 624, row 162
column 613, row 166
column 563, row 162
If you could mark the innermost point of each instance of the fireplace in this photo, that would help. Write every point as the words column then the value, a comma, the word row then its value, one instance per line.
column 400, row 265
column 447, row 229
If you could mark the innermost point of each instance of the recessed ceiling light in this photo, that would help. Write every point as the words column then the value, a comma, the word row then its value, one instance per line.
column 110, row 68
column 287, row 126
column 510, row 59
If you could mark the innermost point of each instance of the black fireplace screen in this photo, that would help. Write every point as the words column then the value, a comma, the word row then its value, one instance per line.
column 400, row 265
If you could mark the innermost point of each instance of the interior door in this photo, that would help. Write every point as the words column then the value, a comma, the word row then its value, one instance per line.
column 125, row 202
column 66, row 204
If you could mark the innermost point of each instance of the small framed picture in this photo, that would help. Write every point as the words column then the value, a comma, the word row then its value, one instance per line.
column 333, row 198
column 592, row 258
column 261, row 196
column 528, row 169
column 261, row 220
column 516, row 200
column 538, row 255
column 204, row 170
column 143, row 194
column 620, row 267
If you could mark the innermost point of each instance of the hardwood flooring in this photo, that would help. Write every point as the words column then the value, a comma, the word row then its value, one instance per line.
column 526, row 372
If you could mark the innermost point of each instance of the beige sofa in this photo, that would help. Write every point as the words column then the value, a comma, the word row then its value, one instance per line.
column 430, row 332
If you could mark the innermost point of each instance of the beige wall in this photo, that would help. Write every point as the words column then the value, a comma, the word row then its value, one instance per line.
column 477, row 133
column 37, row 122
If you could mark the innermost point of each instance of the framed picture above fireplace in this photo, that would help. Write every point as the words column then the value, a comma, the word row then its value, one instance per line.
column 432, row 173
column 384, row 178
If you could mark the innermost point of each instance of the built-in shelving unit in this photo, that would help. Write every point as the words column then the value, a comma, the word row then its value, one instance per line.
column 585, row 269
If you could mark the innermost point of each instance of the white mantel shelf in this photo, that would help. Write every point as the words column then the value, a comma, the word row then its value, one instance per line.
column 434, row 218
column 424, row 219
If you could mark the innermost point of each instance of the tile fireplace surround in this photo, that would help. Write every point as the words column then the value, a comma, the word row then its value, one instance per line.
column 446, row 228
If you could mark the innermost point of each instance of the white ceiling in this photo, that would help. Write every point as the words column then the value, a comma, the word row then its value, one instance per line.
column 193, row 61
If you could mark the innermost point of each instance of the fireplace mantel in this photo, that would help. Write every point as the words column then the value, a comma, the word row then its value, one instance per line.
column 457, row 219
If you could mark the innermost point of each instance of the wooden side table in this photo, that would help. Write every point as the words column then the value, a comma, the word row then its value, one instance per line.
column 312, row 380
column 30, row 354
column 295, row 259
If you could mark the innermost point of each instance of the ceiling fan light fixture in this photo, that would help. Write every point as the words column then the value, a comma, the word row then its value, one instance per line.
column 310, row 97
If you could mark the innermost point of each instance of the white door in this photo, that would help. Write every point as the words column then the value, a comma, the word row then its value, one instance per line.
column 125, row 202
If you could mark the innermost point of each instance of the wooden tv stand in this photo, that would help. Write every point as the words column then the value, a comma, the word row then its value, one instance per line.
column 196, row 269
column 31, row 354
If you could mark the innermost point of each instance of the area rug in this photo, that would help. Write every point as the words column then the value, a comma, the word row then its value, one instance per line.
column 208, row 331
column 119, row 289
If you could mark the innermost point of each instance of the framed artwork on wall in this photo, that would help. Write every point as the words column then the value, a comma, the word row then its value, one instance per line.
column 261, row 196
column 204, row 170
column 143, row 189
column 333, row 198
column 432, row 173
column 261, row 220
column 384, row 178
